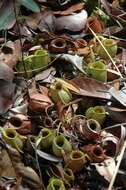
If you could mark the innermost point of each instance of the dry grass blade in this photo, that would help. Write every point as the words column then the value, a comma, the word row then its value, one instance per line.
column 117, row 167
column 113, row 62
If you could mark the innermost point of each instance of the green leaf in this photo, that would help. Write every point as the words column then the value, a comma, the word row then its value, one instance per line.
column 29, row 4
column 7, row 16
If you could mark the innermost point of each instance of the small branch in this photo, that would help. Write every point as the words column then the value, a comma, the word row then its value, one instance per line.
column 18, row 26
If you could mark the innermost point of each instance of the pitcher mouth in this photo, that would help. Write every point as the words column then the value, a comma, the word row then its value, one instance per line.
column 93, row 125
column 68, row 172
column 99, row 110
column 9, row 133
column 97, row 151
column 58, row 86
column 60, row 141
column 45, row 133
column 56, row 184
column 15, row 121
column 98, row 65
column 76, row 155
column 109, row 42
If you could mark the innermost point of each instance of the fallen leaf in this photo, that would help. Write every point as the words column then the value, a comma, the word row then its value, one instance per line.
column 47, row 21
column 119, row 95
column 91, row 88
column 70, row 10
column 112, row 75
column 75, row 22
column 68, row 85
column 117, row 114
column 43, row 21
column 75, row 60
column 7, row 15
column 6, row 167
column 48, row 157
column 33, row 20
column 6, row 73
column 28, row 175
column 46, row 75
column 30, row 4
column 6, row 95
column 10, row 58
column 106, row 168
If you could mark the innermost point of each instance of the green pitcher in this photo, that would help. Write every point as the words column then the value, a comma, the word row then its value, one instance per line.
column 98, row 71
column 98, row 113
column 47, row 137
column 76, row 160
column 60, row 93
column 12, row 138
column 68, row 174
column 61, row 145
column 110, row 45
column 56, row 184
column 35, row 62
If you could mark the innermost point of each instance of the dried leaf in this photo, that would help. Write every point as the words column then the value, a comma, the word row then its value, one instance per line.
column 75, row 22
column 117, row 114
column 10, row 58
column 6, row 167
column 68, row 85
column 119, row 95
column 70, row 10
column 75, row 60
column 6, row 95
column 39, row 101
column 91, row 88
column 46, row 75
column 112, row 75
column 48, row 157
column 107, row 168
column 33, row 20
column 6, row 73
column 28, row 175
column 47, row 21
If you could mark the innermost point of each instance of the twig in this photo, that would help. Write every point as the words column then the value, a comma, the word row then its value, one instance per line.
column 22, row 54
column 117, row 167
column 113, row 126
